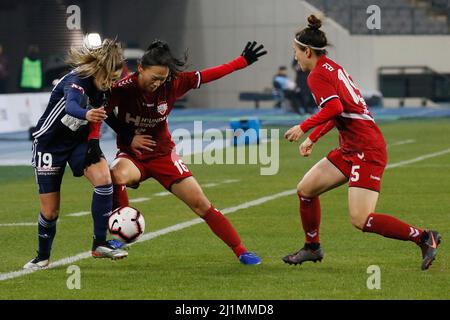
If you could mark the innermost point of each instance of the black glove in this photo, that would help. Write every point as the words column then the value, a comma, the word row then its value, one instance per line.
column 93, row 153
column 251, row 54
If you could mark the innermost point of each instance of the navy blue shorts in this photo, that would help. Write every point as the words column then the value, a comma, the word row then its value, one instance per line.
column 50, row 162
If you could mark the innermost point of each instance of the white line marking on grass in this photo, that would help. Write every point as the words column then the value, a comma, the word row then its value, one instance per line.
column 19, row 224
column 136, row 200
column 400, row 143
column 79, row 214
column 206, row 185
column 151, row 235
column 139, row 200
column 424, row 157
column 162, row 194
column 186, row 224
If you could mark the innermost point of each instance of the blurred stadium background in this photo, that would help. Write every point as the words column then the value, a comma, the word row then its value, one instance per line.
column 402, row 69
column 405, row 62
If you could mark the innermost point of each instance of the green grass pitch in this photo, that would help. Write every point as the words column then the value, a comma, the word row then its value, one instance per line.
column 193, row 264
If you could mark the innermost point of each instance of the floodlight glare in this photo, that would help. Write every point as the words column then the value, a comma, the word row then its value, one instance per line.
column 93, row 40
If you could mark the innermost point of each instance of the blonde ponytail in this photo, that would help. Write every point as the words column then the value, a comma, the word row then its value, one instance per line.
column 102, row 62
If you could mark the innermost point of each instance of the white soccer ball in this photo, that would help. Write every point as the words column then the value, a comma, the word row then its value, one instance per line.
column 126, row 224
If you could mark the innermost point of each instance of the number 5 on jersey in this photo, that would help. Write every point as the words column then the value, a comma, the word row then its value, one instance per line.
column 355, row 174
column 181, row 166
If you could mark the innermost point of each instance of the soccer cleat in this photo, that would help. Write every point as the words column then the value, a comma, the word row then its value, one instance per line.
column 112, row 249
column 118, row 244
column 304, row 254
column 37, row 264
column 429, row 248
column 249, row 258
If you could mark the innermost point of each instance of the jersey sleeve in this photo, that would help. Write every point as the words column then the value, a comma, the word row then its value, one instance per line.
column 321, row 88
column 184, row 82
column 321, row 130
column 76, row 99
column 332, row 109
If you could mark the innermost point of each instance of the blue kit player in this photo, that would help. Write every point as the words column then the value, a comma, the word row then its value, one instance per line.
column 61, row 138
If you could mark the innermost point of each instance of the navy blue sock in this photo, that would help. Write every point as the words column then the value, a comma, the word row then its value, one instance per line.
column 102, row 200
column 46, row 234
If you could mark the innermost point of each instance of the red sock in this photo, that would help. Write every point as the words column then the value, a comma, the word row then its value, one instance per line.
column 310, row 216
column 391, row 227
column 224, row 230
column 120, row 196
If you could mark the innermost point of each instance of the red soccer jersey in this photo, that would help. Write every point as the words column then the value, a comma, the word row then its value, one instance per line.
column 356, row 126
column 146, row 112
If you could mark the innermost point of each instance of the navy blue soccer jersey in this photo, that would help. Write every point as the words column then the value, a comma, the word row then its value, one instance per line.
column 64, row 120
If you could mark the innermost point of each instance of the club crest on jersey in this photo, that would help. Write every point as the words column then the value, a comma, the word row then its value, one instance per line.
column 75, row 86
column 162, row 108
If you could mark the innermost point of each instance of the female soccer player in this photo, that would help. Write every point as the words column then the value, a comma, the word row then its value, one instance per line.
column 61, row 138
column 144, row 100
column 360, row 159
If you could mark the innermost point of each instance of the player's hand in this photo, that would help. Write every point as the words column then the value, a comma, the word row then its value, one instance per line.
column 96, row 115
column 306, row 147
column 142, row 143
column 93, row 154
column 251, row 54
column 294, row 133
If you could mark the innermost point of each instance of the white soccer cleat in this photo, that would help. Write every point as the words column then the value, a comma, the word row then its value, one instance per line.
column 111, row 249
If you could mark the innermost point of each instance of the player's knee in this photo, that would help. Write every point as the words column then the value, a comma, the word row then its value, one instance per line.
column 102, row 178
column 302, row 188
column 200, row 205
column 119, row 176
column 50, row 213
column 358, row 220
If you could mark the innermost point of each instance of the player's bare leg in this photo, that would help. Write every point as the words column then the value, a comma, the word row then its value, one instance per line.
column 123, row 173
column 190, row 192
column 50, row 203
column 323, row 176
column 362, row 205
column 102, row 199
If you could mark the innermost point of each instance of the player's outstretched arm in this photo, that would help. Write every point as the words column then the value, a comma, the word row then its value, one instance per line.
column 249, row 55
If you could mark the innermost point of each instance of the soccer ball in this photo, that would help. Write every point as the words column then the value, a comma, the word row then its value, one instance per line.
column 126, row 224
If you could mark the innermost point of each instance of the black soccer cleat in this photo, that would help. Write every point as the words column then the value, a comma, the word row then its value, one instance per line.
column 304, row 254
column 429, row 248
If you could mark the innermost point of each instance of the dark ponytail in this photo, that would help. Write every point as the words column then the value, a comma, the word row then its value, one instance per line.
column 312, row 36
column 158, row 54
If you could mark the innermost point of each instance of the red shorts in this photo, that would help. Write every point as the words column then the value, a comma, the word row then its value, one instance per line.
column 363, row 170
column 166, row 169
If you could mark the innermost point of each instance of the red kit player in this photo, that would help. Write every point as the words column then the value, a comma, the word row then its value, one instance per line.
column 144, row 101
column 359, row 161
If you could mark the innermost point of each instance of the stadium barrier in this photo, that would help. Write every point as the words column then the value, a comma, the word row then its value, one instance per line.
column 19, row 112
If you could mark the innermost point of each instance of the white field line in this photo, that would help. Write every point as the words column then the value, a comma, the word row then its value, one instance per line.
column 162, row 194
column 421, row 158
column 400, row 143
column 19, row 224
column 136, row 200
column 183, row 225
column 78, row 214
